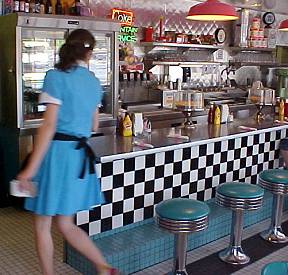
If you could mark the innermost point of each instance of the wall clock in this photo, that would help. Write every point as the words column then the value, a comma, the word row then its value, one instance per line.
column 268, row 18
column 220, row 35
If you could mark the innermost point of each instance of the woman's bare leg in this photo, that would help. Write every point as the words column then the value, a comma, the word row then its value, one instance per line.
column 44, row 243
column 284, row 154
column 77, row 238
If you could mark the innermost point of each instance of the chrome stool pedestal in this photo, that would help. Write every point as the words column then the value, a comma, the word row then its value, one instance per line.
column 238, row 197
column 274, row 180
column 181, row 217
column 234, row 253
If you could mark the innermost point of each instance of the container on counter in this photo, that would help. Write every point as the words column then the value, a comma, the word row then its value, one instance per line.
column 217, row 116
column 281, row 112
column 148, row 34
column 168, row 98
column 137, row 124
column 211, row 113
column 256, row 23
column 189, row 100
column 170, row 36
column 277, row 104
column 286, row 108
column 224, row 113
column 181, row 38
column 270, row 36
column 126, row 126
column 230, row 117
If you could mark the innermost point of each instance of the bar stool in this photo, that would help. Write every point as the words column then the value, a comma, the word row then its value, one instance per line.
column 275, row 181
column 275, row 268
column 238, row 197
column 181, row 216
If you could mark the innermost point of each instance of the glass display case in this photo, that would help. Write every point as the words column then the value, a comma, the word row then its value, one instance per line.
column 39, row 54
column 35, row 42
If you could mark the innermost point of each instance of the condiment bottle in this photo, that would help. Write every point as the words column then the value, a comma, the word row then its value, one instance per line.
column 16, row 6
column 27, row 5
column 22, row 6
column 277, row 105
column 77, row 7
column 48, row 7
column 211, row 114
column 58, row 7
column 281, row 109
column 42, row 7
column 37, row 6
column 32, row 6
column 217, row 116
column 127, row 126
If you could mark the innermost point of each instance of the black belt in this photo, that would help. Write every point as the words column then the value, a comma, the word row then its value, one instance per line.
column 82, row 143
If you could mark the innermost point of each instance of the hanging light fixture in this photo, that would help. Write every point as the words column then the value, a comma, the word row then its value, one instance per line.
column 212, row 10
column 284, row 26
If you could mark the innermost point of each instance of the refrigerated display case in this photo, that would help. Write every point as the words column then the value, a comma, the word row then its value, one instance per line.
column 29, row 45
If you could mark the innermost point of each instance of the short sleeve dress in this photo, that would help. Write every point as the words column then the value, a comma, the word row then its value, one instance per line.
column 60, row 191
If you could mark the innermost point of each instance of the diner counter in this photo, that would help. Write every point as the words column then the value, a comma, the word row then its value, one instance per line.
column 134, row 180
column 107, row 148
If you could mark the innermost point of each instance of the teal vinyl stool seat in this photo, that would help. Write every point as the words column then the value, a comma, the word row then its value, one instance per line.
column 181, row 216
column 276, row 182
column 275, row 268
column 238, row 197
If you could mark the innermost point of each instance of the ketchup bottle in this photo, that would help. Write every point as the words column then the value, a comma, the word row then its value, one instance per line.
column 211, row 113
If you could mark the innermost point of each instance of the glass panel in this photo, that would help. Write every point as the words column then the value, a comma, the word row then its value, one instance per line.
column 39, row 54
column 101, row 65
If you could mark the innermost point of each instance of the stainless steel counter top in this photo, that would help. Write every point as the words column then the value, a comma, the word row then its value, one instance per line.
column 112, row 147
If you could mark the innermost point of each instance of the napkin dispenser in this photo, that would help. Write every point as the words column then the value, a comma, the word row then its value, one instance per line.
column 137, row 119
column 224, row 113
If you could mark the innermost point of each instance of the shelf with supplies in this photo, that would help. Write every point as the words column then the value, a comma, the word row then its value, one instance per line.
column 247, row 63
column 186, row 63
column 247, row 49
column 203, row 46
column 178, row 45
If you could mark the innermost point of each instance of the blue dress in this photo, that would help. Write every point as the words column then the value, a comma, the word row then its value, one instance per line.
column 60, row 191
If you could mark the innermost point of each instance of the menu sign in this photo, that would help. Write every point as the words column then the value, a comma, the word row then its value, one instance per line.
column 128, row 32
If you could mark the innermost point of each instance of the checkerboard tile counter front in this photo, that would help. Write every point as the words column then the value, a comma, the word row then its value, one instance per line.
column 134, row 184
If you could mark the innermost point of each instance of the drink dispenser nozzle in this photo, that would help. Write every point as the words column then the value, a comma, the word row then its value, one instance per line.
column 186, row 74
column 125, row 79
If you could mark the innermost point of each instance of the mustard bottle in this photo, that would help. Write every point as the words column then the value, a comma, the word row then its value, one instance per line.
column 281, row 109
column 217, row 116
column 126, row 126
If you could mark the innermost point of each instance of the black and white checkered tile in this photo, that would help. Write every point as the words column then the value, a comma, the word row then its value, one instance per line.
column 133, row 186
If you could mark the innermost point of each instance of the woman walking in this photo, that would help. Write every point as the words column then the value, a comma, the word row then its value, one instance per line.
column 61, row 163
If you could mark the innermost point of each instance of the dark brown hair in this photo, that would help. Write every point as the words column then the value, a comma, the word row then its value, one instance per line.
column 78, row 43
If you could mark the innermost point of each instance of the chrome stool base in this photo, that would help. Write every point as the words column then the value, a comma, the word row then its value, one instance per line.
column 274, row 235
column 234, row 255
column 183, row 272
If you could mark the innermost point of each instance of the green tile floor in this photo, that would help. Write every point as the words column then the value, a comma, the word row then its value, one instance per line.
column 143, row 244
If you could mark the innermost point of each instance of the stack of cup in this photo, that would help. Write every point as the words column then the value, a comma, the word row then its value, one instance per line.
column 256, row 34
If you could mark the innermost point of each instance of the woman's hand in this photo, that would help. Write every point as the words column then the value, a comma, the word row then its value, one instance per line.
column 25, row 183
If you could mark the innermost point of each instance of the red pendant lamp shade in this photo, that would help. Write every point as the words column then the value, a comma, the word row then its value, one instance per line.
column 212, row 10
column 284, row 26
